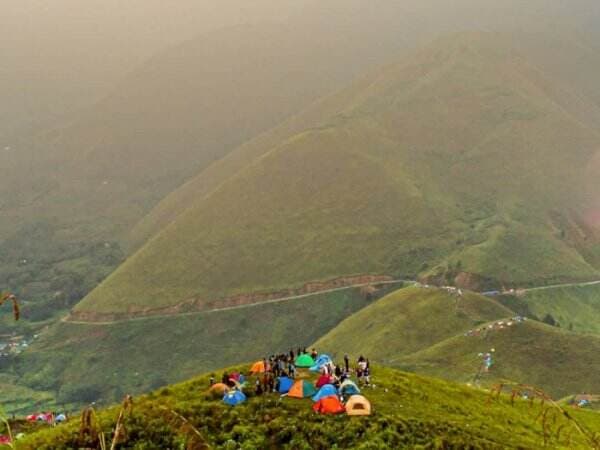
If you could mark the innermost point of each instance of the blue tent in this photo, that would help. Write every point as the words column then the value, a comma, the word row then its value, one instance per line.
column 320, row 362
column 349, row 388
column 285, row 384
column 325, row 391
column 234, row 398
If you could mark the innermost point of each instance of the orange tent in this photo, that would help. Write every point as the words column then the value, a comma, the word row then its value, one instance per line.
column 357, row 405
column 219, row 388
column 258, row 367
column 302, row 389
column 329, row 405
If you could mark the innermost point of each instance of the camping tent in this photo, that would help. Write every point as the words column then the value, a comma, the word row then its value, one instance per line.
column 257, row 367
column 320, row 362
column 219, row 388
column 325, row 391
column 234, row 398
column 304, row 361
column 322, row 381
column 358, row 406
column 329, row 405
column 285, row 384
column 302, row 389
column 348, row 388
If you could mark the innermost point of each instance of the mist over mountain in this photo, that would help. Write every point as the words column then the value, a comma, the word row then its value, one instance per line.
column 175, row 173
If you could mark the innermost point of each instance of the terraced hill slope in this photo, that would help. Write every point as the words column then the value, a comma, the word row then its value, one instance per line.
column 432, row 332
column 409, row 411
column 461, row 162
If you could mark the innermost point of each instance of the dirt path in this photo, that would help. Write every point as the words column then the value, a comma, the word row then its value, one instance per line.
column 566, row 285
column 66, row 319
column 231, row 308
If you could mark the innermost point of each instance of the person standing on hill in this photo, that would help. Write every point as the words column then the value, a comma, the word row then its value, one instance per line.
column 314, row 354
column 347, row 363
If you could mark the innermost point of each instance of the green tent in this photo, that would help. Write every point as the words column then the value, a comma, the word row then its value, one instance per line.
column 302, row 389
column 304, row 361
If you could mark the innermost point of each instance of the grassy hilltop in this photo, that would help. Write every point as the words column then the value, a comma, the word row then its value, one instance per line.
column 409, row 412
column 461, row 161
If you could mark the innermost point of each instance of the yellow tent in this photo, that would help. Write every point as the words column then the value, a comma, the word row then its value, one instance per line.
column 358, row 405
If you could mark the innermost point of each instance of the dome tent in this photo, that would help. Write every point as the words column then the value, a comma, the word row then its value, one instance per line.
column 234, row 398
column 348, row 388
column 257, row 367
column 302, row 389
column 285, row 384
column 325, row 391
column 329, row 405
column 320, row 362
column 358, row 405
column 304, row 361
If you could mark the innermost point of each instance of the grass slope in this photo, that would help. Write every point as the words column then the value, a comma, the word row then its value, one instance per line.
column 424, row 332
column 408, row 178
column 576, row 308
column 532, row 353
column 410, row 320
column 81, row 363
column 409, row 412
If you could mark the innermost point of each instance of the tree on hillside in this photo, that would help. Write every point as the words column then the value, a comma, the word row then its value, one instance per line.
column 550, row 320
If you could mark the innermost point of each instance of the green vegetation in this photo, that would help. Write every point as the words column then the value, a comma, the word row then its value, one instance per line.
column 17, row 399
column 424, row 331
column 85, row 363
column 410, row 320
column 575, row 308
column 51, row 272
column 409, row 412
column 385, row 180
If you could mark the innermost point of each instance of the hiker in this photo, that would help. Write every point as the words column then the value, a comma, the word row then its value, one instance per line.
column 314, row 354
column 338, row 372
column 292, row 369
column 367, row 374
column 361, row 367
column 258, row 390
column 225, row 378
column 265, row 382
column 292, row 354
column 347, row 363
column 212, row 379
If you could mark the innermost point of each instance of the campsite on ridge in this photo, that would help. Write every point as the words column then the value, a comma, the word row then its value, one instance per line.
column 300, row 224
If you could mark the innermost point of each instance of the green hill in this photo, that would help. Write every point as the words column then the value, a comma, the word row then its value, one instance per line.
column 79, row 362
column 69, row 193
column 575, row 308
column 427, row 331
column 410, row 320
column 405, row 176
column 531, row 353
column 409, row 412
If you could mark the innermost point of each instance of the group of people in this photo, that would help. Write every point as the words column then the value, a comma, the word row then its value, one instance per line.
column 281, row 365
column 496, row 326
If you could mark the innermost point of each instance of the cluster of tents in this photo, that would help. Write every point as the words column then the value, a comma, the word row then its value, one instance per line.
column 327, row 398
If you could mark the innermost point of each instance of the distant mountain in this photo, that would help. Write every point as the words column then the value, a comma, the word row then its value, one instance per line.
column 81, row 187
column 432, row 332
column 463, row 163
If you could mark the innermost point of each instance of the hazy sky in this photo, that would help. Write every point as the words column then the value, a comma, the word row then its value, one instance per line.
column 59, row 54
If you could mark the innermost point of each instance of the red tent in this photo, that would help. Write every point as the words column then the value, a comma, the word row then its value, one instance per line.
column 323, row 380
column 329, row 405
